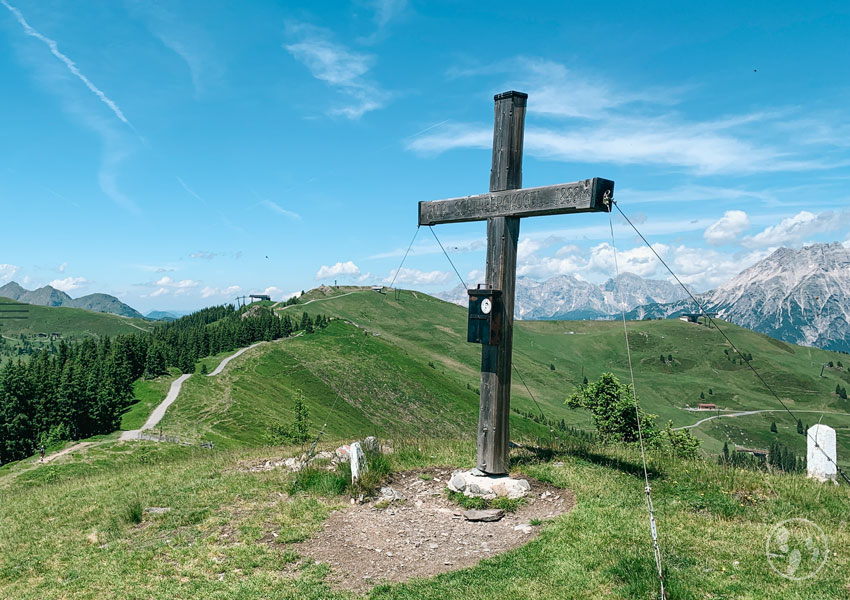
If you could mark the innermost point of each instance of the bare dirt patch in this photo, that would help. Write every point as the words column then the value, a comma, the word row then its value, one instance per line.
column 423, row 535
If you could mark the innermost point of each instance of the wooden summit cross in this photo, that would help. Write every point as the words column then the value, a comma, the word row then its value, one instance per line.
column 503, row 207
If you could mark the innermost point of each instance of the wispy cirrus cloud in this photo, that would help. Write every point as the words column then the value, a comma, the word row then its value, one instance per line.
column 608, row 124
column 276, row 208
column 189, row 42
column 340, row 67
column 116, row 147
column 72, row 67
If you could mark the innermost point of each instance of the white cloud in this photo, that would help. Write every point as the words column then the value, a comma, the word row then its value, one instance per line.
column 341, row 269
column 639, row 260
column 475, row 276
column 551, row 266
column 227, row 292
column 7, row 272
column 156, row 268
column 702, row 269
column 203, row 255
column 338, row 66
column 796, row 229
column 280, row 210
column 727, row 228
column 417, row 277
column 61, row 268
column 69, row 283
column 168, row 286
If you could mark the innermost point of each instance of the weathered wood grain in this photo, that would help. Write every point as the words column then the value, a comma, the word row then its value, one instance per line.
column 563, row 198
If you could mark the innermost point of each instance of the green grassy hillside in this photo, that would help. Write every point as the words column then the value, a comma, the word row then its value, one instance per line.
column 70, row 323
column 77, row 529
column 402, row 367
column 433, row 330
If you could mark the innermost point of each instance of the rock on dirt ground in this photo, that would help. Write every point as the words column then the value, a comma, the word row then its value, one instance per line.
column 422, row 535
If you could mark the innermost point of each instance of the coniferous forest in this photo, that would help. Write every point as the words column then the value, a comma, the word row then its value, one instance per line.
column 76, row 391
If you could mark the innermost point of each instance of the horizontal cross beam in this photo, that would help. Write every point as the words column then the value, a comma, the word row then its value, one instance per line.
column 563, row 198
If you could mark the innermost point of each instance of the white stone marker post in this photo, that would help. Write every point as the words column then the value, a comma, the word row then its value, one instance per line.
column 816, row 463
column 356, row 459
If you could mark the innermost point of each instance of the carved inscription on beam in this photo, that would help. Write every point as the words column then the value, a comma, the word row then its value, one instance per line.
column 581, row 196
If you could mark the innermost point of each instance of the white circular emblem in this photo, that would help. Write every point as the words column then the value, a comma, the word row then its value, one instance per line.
column 486, row 306
column 797, row 549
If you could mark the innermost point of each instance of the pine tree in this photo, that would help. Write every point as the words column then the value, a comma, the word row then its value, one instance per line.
column 800, row 429
column 773, row 427
column 300, row 430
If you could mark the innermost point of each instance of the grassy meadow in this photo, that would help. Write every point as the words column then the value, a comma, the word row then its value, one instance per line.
column 80, row 529
column 400, row 368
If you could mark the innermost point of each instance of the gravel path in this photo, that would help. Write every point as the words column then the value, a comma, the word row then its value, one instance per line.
column 321, row 299
column 79, row 446
column 224, row 362
column 424, row 535
column 755, row 412
column 174, row 391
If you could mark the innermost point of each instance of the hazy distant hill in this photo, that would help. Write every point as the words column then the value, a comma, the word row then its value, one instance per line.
column 167, row 315
column 50, row 296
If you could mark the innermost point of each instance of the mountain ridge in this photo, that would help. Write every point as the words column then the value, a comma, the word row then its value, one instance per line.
column 50, row 296
column 567, row 297
column 800, row 296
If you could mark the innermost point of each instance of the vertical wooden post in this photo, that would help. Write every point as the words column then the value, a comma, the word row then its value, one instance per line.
column 502, row 237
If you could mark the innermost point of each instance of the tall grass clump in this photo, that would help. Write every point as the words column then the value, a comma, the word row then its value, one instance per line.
column 133, row 511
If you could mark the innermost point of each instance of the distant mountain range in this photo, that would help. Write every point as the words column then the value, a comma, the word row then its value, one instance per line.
column 167, row 315
column 50, row 296
column 567, row 297
column 800, row 296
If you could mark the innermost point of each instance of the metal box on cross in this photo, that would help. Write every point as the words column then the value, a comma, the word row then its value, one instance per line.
column 485, row 316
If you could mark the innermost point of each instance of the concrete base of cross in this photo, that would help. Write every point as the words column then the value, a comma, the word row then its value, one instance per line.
column 477, row 484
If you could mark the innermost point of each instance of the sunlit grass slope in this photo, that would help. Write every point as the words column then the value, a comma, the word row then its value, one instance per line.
column 427, row 330
column 70, row 323
column 78, row 529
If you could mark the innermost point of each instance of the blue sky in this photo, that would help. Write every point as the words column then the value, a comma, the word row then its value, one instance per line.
column 178, row 154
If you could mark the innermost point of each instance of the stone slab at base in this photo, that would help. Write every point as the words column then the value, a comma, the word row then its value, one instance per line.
column 476, row 484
